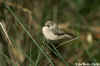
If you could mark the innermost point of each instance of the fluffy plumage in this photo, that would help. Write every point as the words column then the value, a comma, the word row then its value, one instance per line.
column 52, row 32
column 55, row 36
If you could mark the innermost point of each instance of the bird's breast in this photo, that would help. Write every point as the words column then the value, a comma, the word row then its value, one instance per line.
column 49, row 34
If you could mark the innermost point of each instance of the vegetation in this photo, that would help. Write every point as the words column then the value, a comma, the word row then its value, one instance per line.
column 23, row 44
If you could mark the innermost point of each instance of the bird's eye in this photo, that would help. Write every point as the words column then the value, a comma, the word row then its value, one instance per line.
column 48, row 25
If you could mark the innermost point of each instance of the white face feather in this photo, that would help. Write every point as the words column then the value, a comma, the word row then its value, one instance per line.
column 48, row 33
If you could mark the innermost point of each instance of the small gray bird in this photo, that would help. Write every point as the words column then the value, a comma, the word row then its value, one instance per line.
column 52, row 32
column 55, row 37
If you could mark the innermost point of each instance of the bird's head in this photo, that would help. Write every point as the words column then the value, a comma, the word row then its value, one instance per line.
column 50, row 25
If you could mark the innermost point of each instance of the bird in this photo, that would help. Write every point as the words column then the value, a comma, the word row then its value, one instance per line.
column 54, row 35
column 52, row 32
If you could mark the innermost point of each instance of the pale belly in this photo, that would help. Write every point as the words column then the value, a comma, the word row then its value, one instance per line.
column 49, row 35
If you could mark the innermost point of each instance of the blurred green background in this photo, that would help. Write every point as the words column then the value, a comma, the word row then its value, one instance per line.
column 24, row 19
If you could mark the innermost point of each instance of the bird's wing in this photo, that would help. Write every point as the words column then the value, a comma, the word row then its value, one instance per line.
column 62, row 33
